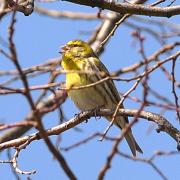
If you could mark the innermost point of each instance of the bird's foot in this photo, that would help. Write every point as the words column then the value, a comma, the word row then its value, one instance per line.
column 96, row 110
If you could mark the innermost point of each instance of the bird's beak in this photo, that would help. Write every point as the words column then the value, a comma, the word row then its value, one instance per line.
column 63, row 49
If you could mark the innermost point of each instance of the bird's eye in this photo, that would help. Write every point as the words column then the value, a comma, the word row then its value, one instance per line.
column 74, row 45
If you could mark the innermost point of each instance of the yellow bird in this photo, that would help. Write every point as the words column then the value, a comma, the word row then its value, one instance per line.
column 77, row 56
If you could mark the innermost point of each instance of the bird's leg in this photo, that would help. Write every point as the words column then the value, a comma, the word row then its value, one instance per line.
column 79, row 115
column 96, row 110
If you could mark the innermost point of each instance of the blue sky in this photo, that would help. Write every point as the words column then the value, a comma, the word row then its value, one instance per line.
column 37, row 39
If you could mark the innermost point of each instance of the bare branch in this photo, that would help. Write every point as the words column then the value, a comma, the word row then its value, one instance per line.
column 173, row 89
column 163, row 125
column 45, row 106
column 25, row 7
column 125, row 8
column 69, row 14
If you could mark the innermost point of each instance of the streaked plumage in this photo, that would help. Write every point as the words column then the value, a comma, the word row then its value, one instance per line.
column 78, row 55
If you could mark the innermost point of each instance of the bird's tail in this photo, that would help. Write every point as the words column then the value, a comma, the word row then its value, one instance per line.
column 121, row 122
column 132, row 143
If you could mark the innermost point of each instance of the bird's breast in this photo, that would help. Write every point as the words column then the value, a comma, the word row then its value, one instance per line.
column 85, row 98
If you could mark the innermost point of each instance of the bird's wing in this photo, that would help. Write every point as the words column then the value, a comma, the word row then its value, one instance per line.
column 96, row 65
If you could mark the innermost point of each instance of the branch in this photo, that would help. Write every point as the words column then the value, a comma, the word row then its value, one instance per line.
column 44, row 107
column 166, row 48
column 68, row 14
column 163, row 125
column 26, row 7
column 125, row 8
column 7, row 90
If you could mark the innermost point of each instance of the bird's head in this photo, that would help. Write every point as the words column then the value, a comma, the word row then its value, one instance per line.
column 75, row 50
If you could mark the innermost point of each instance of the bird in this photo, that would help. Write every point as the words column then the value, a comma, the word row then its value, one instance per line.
column 78, row 58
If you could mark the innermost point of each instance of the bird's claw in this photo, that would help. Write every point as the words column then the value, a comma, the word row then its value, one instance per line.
column 95, row 111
